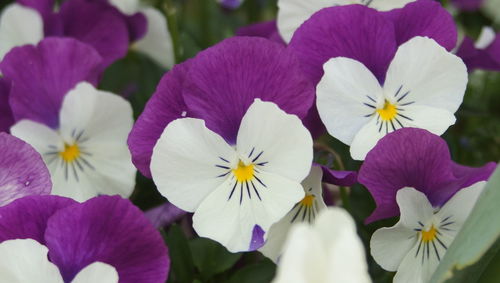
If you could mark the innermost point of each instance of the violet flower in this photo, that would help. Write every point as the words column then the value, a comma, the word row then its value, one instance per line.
column 482, row 54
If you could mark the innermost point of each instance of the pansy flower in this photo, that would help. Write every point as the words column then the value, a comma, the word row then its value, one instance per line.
column 482, row 54
column 327, row 251
column 417, row 243
column 468, row 5
column 22, row 170
column 28, row 22
column 306, row 210
column 55, row 239
column 423, row 88
column 237, row 189
column 417, row 159
column 79, row 131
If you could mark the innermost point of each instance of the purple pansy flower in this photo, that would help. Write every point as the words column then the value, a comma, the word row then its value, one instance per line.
column 419, row 159
column 468, row 5
column 22, row 171
column 482, row 54
column 218, row 86
column 105, row 238
column 6, row 119
column 80, row 131
column 267, row 30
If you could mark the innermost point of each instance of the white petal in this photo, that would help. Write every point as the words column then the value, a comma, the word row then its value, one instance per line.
column 19, row 25
column 389, row 246
column 414, row 208
column 268, row 134
column 26, row 261
column 278, row 232
column 386, row 5
column 412, row 269
column 128, row 7
column 460, row 205
column 433, row 76
column 435, row 120
column 185, row 159
column 367, row 138
column 97, row 272
column 292, row 13
column 343, row 93
column 157, row 42
column 41, row 137
column 229, row 216
column 486, row 38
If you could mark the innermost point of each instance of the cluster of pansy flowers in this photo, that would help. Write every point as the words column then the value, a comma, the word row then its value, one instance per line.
column 228, row 136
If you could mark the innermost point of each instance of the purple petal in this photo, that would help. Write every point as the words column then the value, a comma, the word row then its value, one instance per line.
column 486, row 59
column 313, row 122
column 110, row 230
column 137, row 26
column 424, row 18
column 164, row 215
column 22, row 170
column 44, row 7
column 468, row 5
column 42, row 75
column 352, row 31
column 166, row 105
column 6, row 118
column 257, row 240
column 224, row 80
column 339, row 178
column 468, row 176
column 230, row 4
column 267, row 30
column 98, row 25
column 27, row 217
column 415, row 158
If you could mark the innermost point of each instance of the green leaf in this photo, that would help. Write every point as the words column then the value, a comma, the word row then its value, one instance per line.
column 473, row 243
column 261, row 272
column 182, row 267
column 211, row 258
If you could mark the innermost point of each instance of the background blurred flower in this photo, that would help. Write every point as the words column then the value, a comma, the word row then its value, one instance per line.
column 482, row 54
column 104, row 229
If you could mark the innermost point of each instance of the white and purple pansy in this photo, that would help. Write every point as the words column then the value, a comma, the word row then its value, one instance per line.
column 482, row 54
column 55, row 239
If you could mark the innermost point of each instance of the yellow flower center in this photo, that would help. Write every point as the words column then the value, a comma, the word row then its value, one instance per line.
column 388, row 112
column 307, row 201
column 429, row 235
column 244, row 172
column 70, row 153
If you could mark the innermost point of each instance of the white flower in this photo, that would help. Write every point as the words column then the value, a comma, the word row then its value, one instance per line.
column 486, row 38
column 292, row 13
column 26, row 260
column 329, row 251
column 234, row 190
column 19, row 25
column 88, row 154
column 305, row 211
column 423, row 88
column 157, row 42
column 415, row 245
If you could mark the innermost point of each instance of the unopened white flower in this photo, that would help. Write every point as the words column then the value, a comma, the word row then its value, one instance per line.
column 26, row 260
column 423, row 88
column 292, row 13
column 329, row 251
column 234, row 191
column 305, row 210
column 88, row 154
column 415, row 245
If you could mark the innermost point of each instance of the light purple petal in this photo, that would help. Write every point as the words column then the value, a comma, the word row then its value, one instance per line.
column 468, row 5
column 352, row 31
column 339, row 178
column 166, row 105
column 415, row 158
column 22, row 170
column 267, row 30
column 98, row 25
column 424, row 18
column 224, row 80
column 27, row 217
column 257, row 240
column 108, row 229
column 164, row 215
column 41, row 76
column 6, row 118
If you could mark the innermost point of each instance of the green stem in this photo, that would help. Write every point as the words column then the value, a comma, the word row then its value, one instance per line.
column 171, row 14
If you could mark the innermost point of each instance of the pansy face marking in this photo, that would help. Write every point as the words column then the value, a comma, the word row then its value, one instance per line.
column 87, row 155
column 234, row 190
column 423, row 88
column 417, row 243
